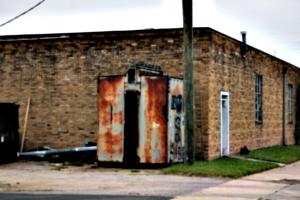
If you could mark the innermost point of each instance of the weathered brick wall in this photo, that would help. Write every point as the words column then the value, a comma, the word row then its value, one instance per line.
column 230, row 72
column 61, row 87
column 60, row 77
column 202, row 62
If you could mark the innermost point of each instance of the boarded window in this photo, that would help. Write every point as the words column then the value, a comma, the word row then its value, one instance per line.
column 258, row 99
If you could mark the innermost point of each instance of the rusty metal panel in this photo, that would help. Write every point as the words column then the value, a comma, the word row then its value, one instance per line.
column 111, row 119
column 133, row 77
column 153, row 119
column 175, row 124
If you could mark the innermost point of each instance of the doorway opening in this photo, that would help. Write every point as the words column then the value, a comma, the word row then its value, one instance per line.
column 224, row 126
column 9, row 135
column 131, row 136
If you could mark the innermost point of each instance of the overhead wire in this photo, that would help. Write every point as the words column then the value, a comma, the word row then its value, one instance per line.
column 23, row 13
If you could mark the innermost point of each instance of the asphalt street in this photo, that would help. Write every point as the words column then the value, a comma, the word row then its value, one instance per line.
column 52, row 178
column 38, row 180
column 18, row 196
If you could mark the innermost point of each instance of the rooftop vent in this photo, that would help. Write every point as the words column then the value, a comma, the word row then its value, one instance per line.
column 244, row 43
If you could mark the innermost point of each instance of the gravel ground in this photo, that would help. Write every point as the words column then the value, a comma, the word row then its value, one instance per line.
column 43, row 177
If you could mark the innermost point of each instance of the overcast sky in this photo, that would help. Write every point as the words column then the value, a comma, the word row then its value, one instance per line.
column 272, row 26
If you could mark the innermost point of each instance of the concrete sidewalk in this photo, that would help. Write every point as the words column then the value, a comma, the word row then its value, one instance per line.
column 279, row 183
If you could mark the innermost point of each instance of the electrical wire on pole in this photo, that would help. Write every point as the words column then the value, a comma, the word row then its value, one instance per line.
column 22, row 13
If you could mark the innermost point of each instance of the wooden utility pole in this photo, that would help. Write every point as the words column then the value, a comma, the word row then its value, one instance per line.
column 188, row 99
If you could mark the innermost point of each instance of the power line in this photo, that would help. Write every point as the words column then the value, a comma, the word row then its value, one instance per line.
column 293, row 49
column 279, row 33
column 295, row 42
column 23, row 13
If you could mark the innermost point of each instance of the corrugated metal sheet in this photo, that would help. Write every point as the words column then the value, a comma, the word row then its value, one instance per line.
column 111, row 119
column 175, row 124
column 153, row 119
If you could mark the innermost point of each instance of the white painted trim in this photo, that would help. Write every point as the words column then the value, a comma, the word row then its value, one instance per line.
column 221, row 122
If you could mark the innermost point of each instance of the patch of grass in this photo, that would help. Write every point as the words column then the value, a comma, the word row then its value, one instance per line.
column 77, row 163
column 135, row 170
column 225, row 167
column 32, row 158
column 280, row 154
column 295, row 146
column 59, row 168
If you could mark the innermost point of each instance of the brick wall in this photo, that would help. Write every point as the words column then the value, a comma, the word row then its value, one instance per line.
column 202, row 63
column 231, row 72
column 59, row 73
column 60, row 77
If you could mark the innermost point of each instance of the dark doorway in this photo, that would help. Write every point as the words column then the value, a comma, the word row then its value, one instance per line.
column 9, row 135
column 131, row 127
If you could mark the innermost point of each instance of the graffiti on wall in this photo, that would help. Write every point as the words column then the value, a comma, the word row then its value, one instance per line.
column 177, row 149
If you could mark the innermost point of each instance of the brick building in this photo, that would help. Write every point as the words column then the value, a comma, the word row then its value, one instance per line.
column 238, row 89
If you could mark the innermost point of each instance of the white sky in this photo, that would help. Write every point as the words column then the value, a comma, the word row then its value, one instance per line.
column 272, row 26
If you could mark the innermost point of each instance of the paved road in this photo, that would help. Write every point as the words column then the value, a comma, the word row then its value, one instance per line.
column 39, row 177
column 16, row 196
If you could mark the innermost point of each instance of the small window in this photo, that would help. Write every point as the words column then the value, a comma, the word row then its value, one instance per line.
column 258, row 99
column 290, row 102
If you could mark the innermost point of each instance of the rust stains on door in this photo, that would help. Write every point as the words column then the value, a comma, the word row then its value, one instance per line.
column 140, row 117
column 176, row 120
column 111, row 119
column 153, row 119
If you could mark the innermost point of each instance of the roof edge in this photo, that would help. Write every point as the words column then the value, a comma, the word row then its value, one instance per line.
column 45, row 36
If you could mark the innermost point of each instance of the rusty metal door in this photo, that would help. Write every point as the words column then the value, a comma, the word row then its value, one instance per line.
column 110, row 142
column 153, row 111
